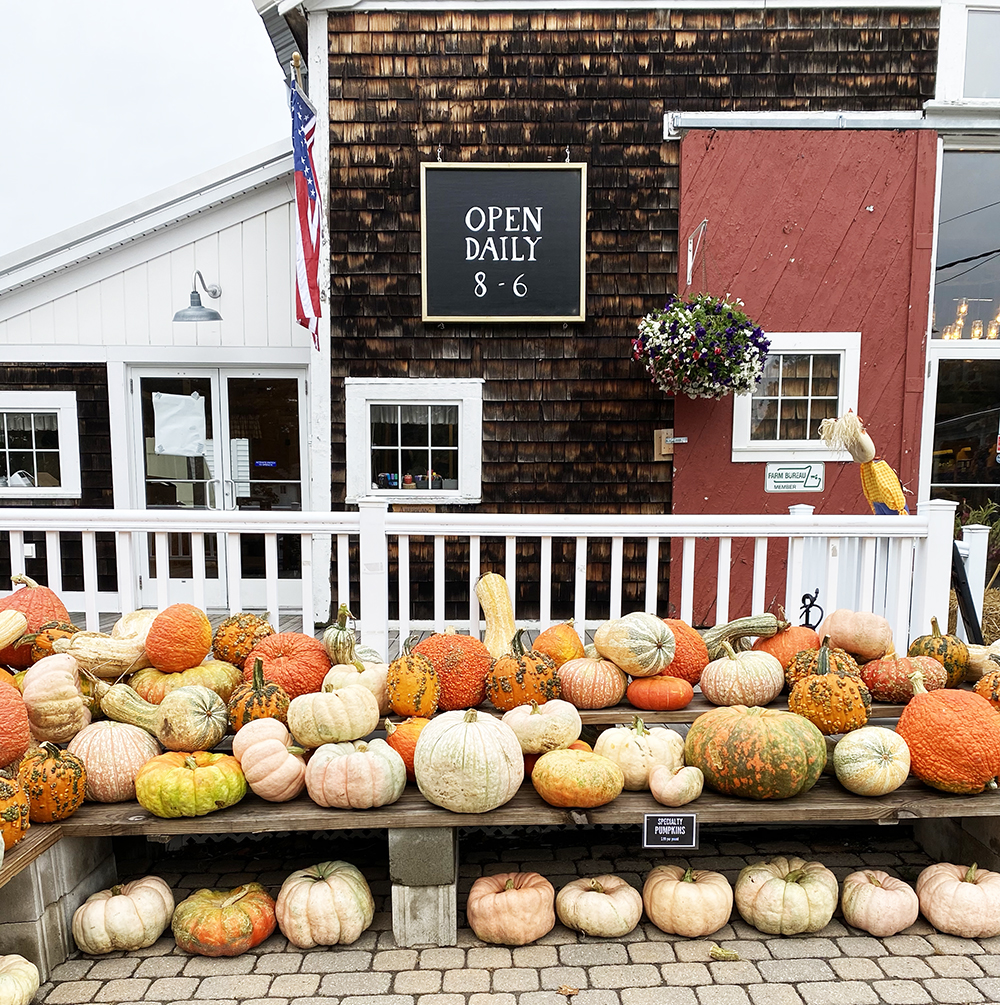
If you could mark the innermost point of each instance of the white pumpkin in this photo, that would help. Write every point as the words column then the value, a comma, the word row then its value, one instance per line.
column 871, row 761
column 549, row 726
column 468, row 762
column 688, row 902
column 960, row 900
column 19, row 979
column 878, row 903
column 676, row 788
column 113, row 752
column 372, row 676
column 355, row 776
column 345, row 713
column 126, row 917
column 599, row 905
column 637, row 749
column 328, row 904
column 745, row 678
column 641, row 644
column 786, row 896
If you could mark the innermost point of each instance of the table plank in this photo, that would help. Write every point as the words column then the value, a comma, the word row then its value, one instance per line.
column 38, row 839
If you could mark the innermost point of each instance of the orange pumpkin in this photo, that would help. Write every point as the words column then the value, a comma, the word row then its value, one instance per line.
column 834, row 701
column 15, row 729
column 224, row 922
column 39, row 643
column 953, row 736
column 591, row 682
column 14, row 811
column 180, row 637
column 402, row 737
column 805, row 663
column 787, row 643
column 888, row 679
column 55, row 781
column 461, row 663
column 260, row 699
column 39, row 605
column 519, row 677
column 561, row 642
column 295, row 661
column 577, row 778
column 237, row 635
column 690, row 653
column 660, row 693
column 988, row 686
column 412, row 684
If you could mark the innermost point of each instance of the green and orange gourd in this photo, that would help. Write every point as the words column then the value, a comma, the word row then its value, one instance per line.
column 949, row 650
column 520, row 677
column 835, row 701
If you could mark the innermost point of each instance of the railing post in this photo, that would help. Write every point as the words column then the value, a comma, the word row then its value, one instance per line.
column 931, row 595
column 793, row 571
column 976, row 536
column 373, row 557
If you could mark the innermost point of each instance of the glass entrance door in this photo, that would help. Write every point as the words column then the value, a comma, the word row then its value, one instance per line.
column 221, row 439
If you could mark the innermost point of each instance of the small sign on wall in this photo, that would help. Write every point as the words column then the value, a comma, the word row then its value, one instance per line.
column 676, row 830
column 802, row 477
column 503, row 242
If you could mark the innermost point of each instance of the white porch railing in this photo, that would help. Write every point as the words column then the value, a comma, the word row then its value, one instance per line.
column 897, row 567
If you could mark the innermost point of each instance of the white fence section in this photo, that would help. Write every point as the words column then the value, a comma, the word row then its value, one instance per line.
column 899, row 567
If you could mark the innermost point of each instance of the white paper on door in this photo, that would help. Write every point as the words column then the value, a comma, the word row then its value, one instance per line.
column 179, row 424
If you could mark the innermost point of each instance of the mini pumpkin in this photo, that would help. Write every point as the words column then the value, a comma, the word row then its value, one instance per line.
column 675, row 787
column 949, row 650
column 519, row 677
column 836, row 702
column 224, row 922
column 511, row 908
column 988, row 686
column 689, row 902
column 55, row 781
column 40, row 642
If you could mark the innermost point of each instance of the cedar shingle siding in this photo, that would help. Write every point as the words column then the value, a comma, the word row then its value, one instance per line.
column 568, row 416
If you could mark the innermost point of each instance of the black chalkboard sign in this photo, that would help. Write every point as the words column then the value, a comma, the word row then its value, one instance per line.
column 503, row 242
column 676, row 830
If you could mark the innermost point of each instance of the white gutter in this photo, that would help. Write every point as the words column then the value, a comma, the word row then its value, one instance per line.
column 675, row 124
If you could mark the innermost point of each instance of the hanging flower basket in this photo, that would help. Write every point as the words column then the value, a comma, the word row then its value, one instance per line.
column 702, row 348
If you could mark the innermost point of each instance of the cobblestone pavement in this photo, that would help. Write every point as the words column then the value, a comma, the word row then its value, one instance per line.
column 836, row 966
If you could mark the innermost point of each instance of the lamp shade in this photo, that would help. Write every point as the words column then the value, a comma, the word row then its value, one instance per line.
column 195, row 312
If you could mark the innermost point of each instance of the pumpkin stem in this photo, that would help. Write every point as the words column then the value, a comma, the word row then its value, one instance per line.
column 935, row 628
column 823, row 657
column 970, row 876
column 116, row 890
column 20, row 579
column 516, row 643
column 872, row 879
column 390, row 727
column 238, row 894
column 410, row 642
column 688, row 876
column 509, row 885
column 342, row 615
column 639, row 727
column 535, row 710
column 728, row 650
column 596, row 887
column 795, row 876
column 471, row 715
column 51, row 749
column 190, row 762
column 917, row 679
column 297, row 751
column 258, row 674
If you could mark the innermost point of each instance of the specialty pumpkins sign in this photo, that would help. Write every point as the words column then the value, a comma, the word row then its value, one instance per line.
column 503, row 242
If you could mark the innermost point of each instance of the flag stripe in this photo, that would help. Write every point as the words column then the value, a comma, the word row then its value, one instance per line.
column 308, row 215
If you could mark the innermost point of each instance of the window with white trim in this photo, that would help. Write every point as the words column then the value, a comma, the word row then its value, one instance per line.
column 968, row 70
column 414, row 440
column 807, row 377
column 39, row 445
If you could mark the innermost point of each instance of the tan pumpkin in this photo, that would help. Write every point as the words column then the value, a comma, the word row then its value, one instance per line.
column 511, row 908
column 127, row 917
column 670, row 787
column 327, row 904
column 550, row 726
column 640, row 644
column 878, row 903
column 333, row 716
column 113, row 752
column 606, row 906
column 637, row 749
column 57, row 709
column 273, row 766
column 592, row 682
column 19, row 980
column 370, row 675
column 355, row 776
column 745, row 678
column 689, row 902
column 787, row 895
column 960, row 900
column 864, row 635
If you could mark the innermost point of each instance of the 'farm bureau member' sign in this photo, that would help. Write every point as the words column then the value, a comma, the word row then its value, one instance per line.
column 503, row 242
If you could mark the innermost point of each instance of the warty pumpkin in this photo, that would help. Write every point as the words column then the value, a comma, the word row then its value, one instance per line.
column 257, row 699
column 14, row 811
column 949, row 650
column 988, row 686
column 113, row 752
column 179, row 637
column 461, row 663
column 562, row 642
column 690, row 652
column 518, row 677
column 40, row 642
column 836, row 702
column 295, row 661
column 412, row 684
column 39, row 605
column 237, row 635
column 224, row 922
column 888, row 678
column 511, row 908
column 55, row 781
column 756, row 753
column 640, row 644
column 805, row 662
column 592, row 682
column 125, row 917
column 953, row 737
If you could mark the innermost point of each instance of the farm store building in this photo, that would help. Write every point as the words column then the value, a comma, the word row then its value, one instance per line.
column 844, row 157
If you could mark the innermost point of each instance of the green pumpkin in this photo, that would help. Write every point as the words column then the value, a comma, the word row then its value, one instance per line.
column 949, row 650
column 177, row 784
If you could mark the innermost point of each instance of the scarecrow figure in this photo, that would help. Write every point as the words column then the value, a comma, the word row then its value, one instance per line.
column 879, row 482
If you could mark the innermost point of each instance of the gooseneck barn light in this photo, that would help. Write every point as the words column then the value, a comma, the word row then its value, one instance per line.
column 195, row 312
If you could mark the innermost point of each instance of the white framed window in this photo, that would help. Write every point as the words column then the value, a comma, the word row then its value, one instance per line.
column 414, row 440
column 968, row 70
column 808, row 377
column 39, row 445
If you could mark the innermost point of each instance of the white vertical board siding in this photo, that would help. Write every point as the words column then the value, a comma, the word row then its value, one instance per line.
column 251, row 259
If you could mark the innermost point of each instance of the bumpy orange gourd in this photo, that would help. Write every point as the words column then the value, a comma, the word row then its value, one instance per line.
column 988, row 686
column 561, row 642
column 14, row 810
column 39, row 605
column 953, row 736
column 55, row 781
column 295, row 661
column 519, row 677
column 949, row 650
column 690, row 652
column 237, row 635
column 834, row 701
column 412, row 684
column 402, row 737
column 461, row 663
column 15, row 729
column 39, row 643
column 805, row 662
column 259, row 699
column 179, row 637
column 888, row 679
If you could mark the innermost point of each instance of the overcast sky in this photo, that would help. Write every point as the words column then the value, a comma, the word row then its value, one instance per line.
column 106, row 101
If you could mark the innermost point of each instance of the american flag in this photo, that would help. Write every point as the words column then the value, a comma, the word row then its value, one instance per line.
column 308, row 214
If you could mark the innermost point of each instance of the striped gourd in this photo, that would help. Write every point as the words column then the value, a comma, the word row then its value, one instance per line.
column 871, row 761
column 640, row 644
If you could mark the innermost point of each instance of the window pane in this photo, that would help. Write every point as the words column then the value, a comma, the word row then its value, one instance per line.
column 966, row 422
column 413, row 425
column 385, row 425
column 444, row 425
column 794, row 413
column 982, row 69
column 794, row 375
column 19, row 430
column 48, row 469
column 46, row 431
column 819, row 411
column 416, row 463
column 768, row 385
column 385, row 469
column 21, row 461
column 446, row 465
column 763, row 419
column 826, row 375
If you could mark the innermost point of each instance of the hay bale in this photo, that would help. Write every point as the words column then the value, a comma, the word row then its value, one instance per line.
column 991, row 615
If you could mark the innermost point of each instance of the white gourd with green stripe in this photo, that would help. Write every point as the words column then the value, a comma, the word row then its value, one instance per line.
column 640, row 644
column 871, row 761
